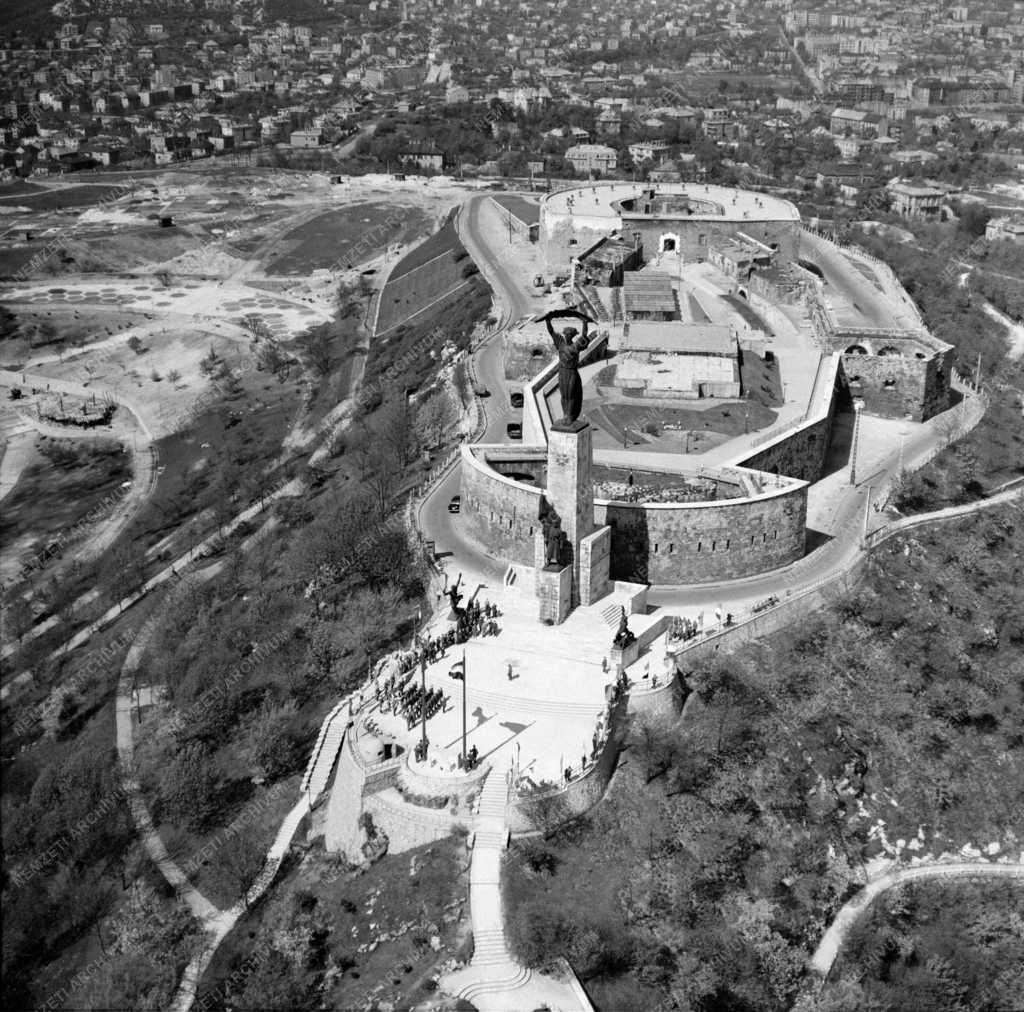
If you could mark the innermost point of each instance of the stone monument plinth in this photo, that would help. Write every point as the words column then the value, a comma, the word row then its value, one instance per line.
column 554, row 593
column 571, row 488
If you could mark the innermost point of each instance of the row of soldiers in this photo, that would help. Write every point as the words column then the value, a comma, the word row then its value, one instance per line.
column 415, row 702
column 476, row 620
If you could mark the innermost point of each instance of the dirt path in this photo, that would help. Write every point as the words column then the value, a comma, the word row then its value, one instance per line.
column 202, row 909
column 215, row 922
column 1015, row 330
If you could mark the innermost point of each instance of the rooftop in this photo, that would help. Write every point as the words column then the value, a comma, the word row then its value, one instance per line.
column 648, row 292
column 678, row 338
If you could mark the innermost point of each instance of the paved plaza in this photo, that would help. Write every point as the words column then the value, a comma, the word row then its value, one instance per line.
column 545, row 717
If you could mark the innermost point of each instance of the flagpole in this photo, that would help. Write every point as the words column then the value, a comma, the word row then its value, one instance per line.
column 463, row 706
column 423, row 704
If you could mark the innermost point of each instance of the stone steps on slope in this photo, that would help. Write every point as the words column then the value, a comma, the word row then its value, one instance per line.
column 517, row 978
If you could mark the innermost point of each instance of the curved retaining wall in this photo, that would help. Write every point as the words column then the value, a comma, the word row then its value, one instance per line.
column 529, row 813
column 661, row 543
column 498, row 512
column 671, row 543
column 597, row 212
column 664, row 701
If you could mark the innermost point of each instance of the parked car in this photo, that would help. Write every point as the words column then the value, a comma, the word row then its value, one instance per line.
column 455, row 505
column 514, row 430
column 517, row 399
column 480, row 390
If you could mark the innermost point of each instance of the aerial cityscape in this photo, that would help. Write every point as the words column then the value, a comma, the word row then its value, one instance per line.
column 514, row 508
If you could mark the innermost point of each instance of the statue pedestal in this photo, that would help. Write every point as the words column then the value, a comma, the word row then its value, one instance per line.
column 623, row 657
column 554, row 593
column 571, row 488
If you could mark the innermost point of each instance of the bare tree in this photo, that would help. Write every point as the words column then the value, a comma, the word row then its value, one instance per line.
column 398, row 430
column 434, row 417
column 318, row 348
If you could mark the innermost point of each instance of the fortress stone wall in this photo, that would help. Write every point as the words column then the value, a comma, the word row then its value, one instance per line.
column 899, row 376
column 801, row 453
column 664, row 543
column 684, row 543
column 573, row 220
column 497, row 511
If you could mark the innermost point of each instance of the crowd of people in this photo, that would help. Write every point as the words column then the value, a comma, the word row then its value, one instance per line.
column 398, row 695
column 476, row 620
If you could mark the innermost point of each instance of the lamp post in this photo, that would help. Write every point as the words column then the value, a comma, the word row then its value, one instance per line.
column 867, row 514
column 458, row 672
column 463, row 707
column 423, row 708
column 858, row 404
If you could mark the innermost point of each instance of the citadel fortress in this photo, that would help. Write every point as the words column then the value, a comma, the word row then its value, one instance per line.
column 741, row 508
column 740, row 369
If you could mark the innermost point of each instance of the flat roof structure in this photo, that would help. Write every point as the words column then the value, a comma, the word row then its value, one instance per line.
column 675, row 338
column 648, row 292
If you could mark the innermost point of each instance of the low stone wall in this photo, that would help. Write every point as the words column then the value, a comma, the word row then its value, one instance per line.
column 463, row 787
column 530, row 813
column 664, row 701
column 787, row 612
column 408, row 827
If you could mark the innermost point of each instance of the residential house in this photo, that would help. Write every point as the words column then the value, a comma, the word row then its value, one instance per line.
column 1010, row 228
column 312, row 138
column 718, row 125
column 852, row 122
column 609, row 123
column 648, row 151
column 915, row 199
column 592, row 158
column 422, row 155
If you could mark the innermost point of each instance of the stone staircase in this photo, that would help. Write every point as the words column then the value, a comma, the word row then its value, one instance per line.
column 493, row 806
column 610, row 615
column 325, row 752
column 520, row 704
column 492, row 970
column 588, row 295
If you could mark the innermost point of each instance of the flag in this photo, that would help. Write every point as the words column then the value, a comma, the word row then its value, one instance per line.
column 458, row 671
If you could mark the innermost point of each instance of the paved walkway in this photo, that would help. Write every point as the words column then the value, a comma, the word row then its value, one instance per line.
column 828, row 948
column 202, row 909
column 1015, row 331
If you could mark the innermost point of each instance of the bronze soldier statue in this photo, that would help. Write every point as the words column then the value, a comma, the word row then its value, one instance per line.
column 554, row 536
